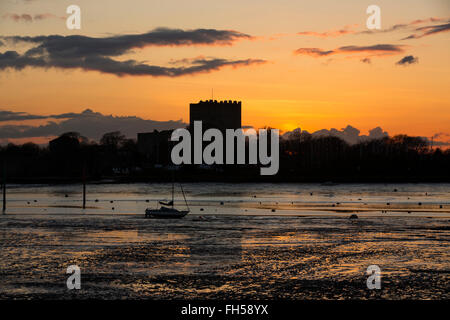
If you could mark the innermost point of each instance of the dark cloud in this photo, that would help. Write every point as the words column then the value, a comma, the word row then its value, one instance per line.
column 350, row 29
column 375, row 49
column 314, row 52
column 16, row 116
column 407, row 60
column 429, row 30
column 22, row 116
column 403, row 26
column 89, row 123
column 76, row 45
column 13, row 60
column 94, row 54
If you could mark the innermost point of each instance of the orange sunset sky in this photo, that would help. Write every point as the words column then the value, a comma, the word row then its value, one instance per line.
column 307, row 64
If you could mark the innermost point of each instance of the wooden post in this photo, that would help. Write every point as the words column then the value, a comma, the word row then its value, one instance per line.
column 84, row 186
column 4, row 186
column 173, row 182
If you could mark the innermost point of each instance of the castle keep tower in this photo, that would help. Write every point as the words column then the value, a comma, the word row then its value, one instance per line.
column 221, row 115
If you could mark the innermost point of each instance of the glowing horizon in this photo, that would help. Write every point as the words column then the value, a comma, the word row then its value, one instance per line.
column 293, row 65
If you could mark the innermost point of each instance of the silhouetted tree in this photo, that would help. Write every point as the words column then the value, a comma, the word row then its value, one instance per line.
column 302, row 158
column 113, row 139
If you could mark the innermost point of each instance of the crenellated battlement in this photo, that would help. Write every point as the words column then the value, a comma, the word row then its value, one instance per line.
column 221, row 102
column 225, row 114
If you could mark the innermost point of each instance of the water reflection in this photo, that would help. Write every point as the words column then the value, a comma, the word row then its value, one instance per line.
column 277, row 241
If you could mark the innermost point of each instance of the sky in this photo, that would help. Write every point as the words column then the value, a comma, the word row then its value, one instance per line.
column 294, row 64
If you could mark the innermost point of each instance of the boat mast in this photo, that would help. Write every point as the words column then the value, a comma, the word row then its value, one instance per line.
column 173, row 178
column 185, row 201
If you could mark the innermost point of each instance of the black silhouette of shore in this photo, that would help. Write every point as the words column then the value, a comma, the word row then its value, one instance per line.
column 303, row 158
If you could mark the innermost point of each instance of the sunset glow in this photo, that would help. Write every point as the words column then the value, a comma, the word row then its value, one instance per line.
column 292, row 64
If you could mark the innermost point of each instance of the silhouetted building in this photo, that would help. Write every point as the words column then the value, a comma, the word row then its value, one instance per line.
column 155, row 146
column 216, row 114
column 222, row 115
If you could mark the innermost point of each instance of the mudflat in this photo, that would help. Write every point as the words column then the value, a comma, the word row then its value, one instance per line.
column 220, row 256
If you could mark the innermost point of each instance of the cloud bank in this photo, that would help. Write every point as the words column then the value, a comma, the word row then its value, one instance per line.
column 76, row 45
column 352, row 136
column 429, row 30
column 376, row 49
column 404, row 26
column 89, row 123
column 351, row 29
column 349, row 134
column 95, row 54
column 94, row 124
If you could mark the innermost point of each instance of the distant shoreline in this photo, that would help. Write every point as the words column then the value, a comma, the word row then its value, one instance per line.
column 229, row 179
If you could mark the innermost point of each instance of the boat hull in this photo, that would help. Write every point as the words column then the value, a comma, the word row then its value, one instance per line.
column 165, row 214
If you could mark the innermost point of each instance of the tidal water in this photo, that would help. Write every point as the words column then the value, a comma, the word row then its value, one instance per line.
column 257, row 241
column 236, row 199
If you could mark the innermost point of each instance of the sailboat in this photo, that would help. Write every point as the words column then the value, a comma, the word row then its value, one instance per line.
column 167, row 210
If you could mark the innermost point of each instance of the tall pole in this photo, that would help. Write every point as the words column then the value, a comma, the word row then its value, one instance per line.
column 84, row 185
column 173, row 181
column 4, row 186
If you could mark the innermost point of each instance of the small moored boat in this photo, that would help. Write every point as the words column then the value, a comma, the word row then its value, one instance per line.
column 167, row 210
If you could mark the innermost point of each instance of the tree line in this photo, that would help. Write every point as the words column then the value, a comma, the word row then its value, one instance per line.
column 302, row 158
